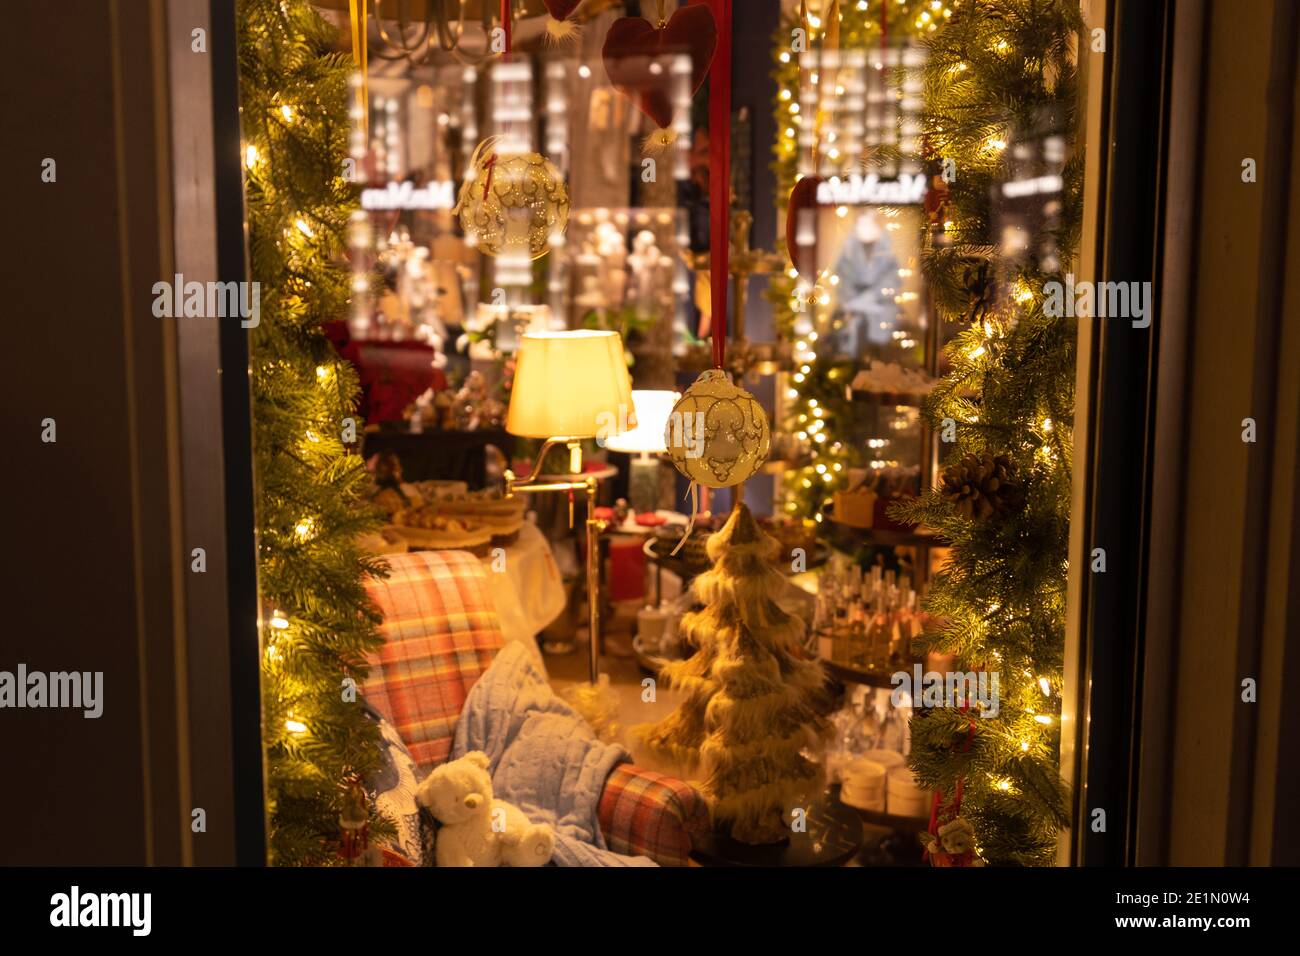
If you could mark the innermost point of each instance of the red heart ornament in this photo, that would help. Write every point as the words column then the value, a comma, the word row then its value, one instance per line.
column 634, row 44
column 559, row 28
column 561, row 9
column 801, row 223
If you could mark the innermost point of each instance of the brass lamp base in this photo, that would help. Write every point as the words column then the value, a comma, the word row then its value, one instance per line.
column 531, row 485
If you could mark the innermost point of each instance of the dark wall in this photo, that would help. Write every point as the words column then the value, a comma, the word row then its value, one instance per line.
column 97, row 541
column 75, row 548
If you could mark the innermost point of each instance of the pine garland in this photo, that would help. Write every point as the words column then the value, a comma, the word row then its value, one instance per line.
column 1000, row 66
column 318, row 622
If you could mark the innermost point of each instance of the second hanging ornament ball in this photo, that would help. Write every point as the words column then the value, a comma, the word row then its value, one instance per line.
column 517, row 202
column 717, row 434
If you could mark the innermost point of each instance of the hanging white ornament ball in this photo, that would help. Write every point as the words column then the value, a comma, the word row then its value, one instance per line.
column 517, row 203
column 717, row 434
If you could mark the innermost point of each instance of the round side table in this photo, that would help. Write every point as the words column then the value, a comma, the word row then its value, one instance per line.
column 833, row 837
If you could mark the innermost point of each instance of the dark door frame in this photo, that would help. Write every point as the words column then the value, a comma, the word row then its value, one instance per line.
column 1163, row 639
column 1115, row 405
column 237, row 448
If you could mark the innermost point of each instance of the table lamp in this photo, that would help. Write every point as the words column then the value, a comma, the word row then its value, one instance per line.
column 569, row 386
column 645, row 440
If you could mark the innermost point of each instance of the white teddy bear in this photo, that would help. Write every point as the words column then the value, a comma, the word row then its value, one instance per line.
column 476, row 829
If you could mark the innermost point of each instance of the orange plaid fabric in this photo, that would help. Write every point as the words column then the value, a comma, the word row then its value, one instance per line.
column 643, row 813
column 440, row 634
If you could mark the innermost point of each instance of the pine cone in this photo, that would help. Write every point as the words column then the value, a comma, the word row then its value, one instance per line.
column 980, row 486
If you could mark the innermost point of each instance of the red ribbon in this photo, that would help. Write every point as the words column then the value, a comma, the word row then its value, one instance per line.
column 720, row 177
column 506, row 27
column 937, row 803
column 884, row 34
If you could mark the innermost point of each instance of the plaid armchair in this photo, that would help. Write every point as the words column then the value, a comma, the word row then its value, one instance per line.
column 441, row 633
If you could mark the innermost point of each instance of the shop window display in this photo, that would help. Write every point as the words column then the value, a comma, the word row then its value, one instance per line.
column 684, row 433
column 886, row 268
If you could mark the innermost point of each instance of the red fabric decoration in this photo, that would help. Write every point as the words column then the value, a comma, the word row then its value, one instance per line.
column 626, row 569
column 802, row 197
column 632, row 41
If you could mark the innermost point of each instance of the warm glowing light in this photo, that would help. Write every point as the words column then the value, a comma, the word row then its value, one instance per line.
column 1043, row 719
column 287, row 113
column 250, row 156
column 295, row 726
column 1045, row 686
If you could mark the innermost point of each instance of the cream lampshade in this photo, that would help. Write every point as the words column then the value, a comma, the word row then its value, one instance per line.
column 570, row 384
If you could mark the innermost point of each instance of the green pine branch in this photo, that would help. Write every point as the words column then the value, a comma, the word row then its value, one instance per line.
column 1001, row 67
column 319, row 624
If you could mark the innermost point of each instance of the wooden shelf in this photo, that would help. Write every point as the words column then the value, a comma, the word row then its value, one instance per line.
column 884, row 536
column 848, row 674
column 880, row 819
column 910, row 399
